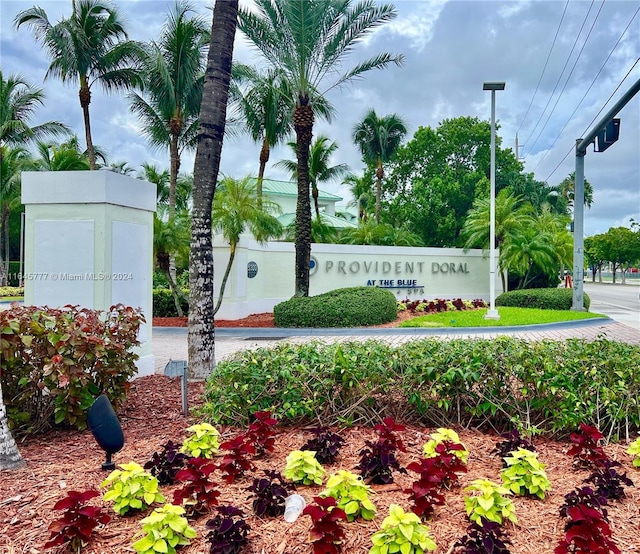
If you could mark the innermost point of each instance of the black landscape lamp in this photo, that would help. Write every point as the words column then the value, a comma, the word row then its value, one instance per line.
column 106, row 429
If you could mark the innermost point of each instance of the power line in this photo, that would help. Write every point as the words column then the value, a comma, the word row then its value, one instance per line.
column 569, row 77
column 545, row 65
column 575, row 42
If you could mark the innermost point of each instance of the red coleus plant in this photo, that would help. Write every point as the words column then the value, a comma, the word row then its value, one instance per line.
column 326, row 533
column 237, row 460
column 78, row 521
column 387, row 434
column 198, row 493
column 261, row 433
column 435, row 473
column 586, row 447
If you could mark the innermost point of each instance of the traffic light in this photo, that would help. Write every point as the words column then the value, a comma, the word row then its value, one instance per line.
column 607, row 136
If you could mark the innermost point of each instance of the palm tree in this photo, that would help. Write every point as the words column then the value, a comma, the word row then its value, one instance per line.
column 378, row 138
column 307, row 41
column 319, row 168
column 174, row 76
column 510, row 216
column 360, row 188
column 64, row 156
column 86, row 48
column 18, row 100
column 263, row 100
column 236, row 209
column 528, row 247
column 201, row 336
column 566, row 190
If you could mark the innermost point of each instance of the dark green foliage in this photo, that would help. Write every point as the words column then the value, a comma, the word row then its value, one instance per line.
column 164, row 304
column 349, row 307
column 435, row 383
column 543, row 299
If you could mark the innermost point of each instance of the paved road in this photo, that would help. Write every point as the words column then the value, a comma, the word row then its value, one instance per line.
column 619, row 302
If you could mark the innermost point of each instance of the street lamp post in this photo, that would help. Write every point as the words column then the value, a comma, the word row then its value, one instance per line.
column 492, row 313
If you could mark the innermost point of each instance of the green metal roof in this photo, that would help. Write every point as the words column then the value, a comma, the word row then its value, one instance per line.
column 330, row 220
column 290, row 188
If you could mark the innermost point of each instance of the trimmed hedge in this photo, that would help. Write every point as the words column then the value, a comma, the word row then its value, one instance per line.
column 546, row 386
column 348, row 307
column 165, row 306
column 543, row 299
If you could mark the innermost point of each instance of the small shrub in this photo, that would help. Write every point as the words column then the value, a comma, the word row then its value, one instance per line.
column 198, row 494
column 634, row 450
column 77, row 522
column 484, row 538
column 303, row 468
column 349, row 307
column 445, row 435
column 164, row 304
column 131, row 488
column 608, row 482
column 166, row 530
column 524, row 474
column 543, row 299
column 269, row 494
column 325, row 444
column 352, row 495
column 204, row 441
column 491, row 504
column 261, row 433
column 237, row 461
column 227, row 531
column 378, row 460
column 586, row 448
column 512, row 442
column 165, row 464
column 326, row 533
column 401, row 532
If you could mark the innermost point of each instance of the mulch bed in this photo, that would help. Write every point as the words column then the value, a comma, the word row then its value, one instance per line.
column 70, row 460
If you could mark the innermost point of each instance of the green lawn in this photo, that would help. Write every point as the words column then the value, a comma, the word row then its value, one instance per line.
column 11, row 298
column 508, row 317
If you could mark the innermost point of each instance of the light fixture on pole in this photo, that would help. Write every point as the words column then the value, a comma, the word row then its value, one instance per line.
column 492, row 313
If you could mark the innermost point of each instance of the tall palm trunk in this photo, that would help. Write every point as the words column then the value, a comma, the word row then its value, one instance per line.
column 176, row 127
column 85, row 100
column 303, row 125
column 314, row 192
column 264, row 158
column 201, row 335
column 379, row 177
column 225, row 277
column 9, row 454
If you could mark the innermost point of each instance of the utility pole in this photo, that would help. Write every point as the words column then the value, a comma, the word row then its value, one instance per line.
column 606, row 131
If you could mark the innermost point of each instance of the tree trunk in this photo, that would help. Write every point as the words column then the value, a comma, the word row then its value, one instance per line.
column 85, row 100
column 201, row 334
column 225, row 277
column 264, row 158
column 4, row 259
column 173, row 183
column 303, row 125
column 9, row 454
column 379, row 177
column 314, row 192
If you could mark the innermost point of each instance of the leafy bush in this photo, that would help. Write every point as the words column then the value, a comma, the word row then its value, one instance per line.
column 349, row 307
column 378, row 459
column 486, row 538
column 352, row 495
column 166, row 529
column 56, row 362
column 165, row 464
column 303, row 468
column 203, row 442
column 634, row 450
column 401, row 532
column 548, row 386
column 269, row 494
column 326, row 533
column 198, row 494
column 543, row 299
column 164, row 305
column 587, row 449
column 491, row 503
column 227, row 531
column 524, row 474
column 441, row 436
column 325, row 444
column 237, row 460
column 11, row 292
column 131, row 488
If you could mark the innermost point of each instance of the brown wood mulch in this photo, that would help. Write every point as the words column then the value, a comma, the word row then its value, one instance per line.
column 70, row 460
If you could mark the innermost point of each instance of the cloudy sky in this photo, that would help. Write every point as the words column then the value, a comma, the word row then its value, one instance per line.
column 562, row 61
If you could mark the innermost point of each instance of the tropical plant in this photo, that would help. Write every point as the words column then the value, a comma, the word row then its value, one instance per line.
column 269, row 493
column 166, row 529
column 212, row 120
column 527, row 248
column 203, row 442
column 236, row 209
column 524, row 474
column 198, row 494
column 352, row 495
column 363, row 197
column 131, row 488
column 173, row 69
column 261, row 432
column 587, row 448
column 378, row 138
column 306, row 42
column 566, row 190
column 402, row 532
column 484, row 538
column 491, row 503
column 88, row 47
column 320, row 171
column 634, row 450
column 237, row 461
column 326, row 533
column 227, row 531
column 77, row 522
column 327, row 444
column 441, row 436
column 265, row 104
column 303, row 468
column 378, row 459
column 65, row 156
column 164, row 465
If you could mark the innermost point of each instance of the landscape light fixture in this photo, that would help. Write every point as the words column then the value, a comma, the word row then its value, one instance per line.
column 492, row 313
column 106, row 429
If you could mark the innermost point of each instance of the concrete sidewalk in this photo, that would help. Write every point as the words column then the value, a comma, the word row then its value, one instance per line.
column 171, row 342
